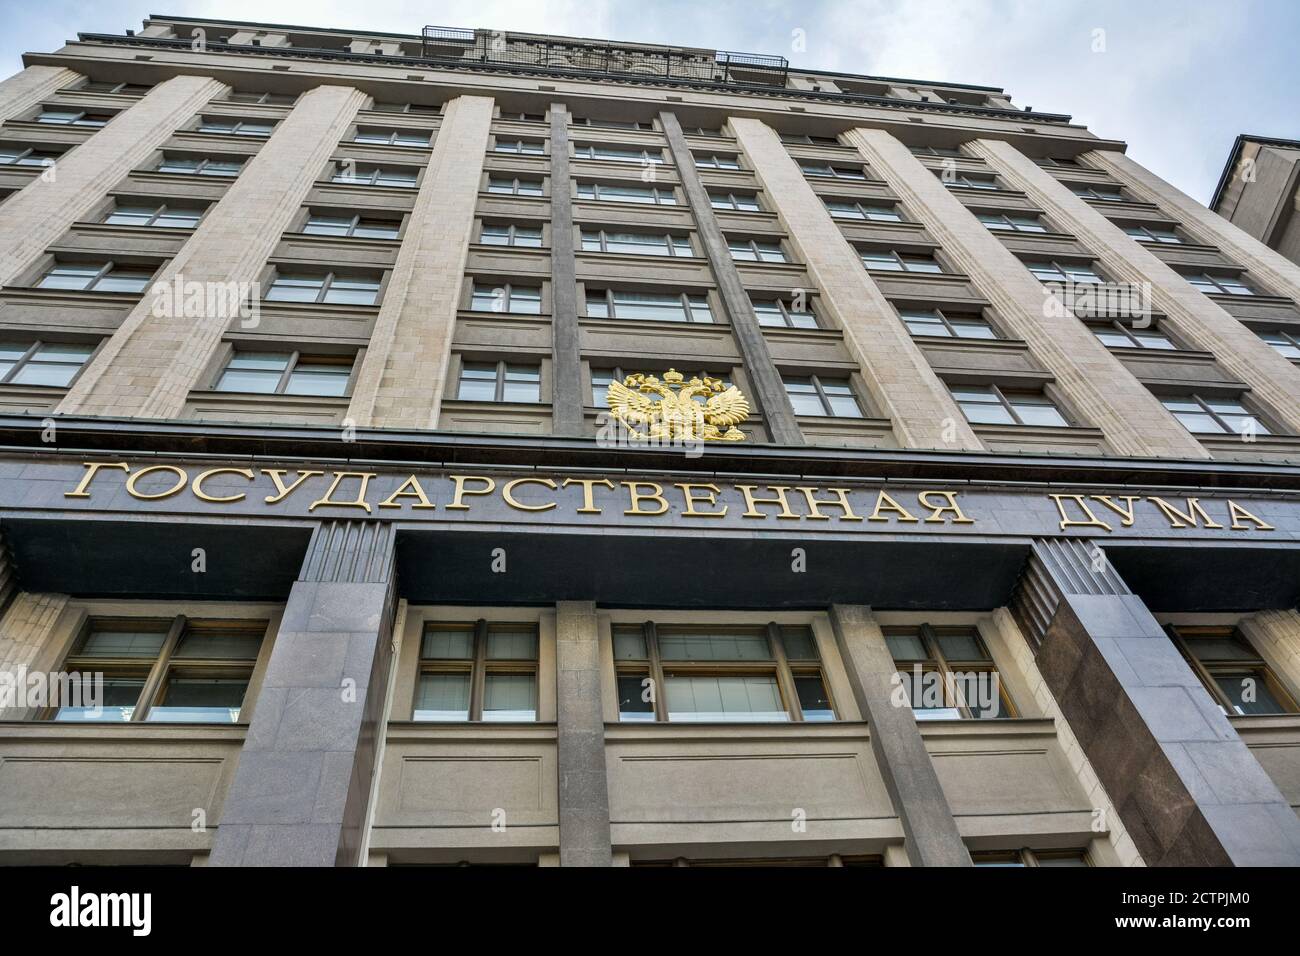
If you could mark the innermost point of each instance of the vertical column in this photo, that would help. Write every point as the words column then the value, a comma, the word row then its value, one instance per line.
column 1207, row 324
column 44, row 209
column 584, row 786
column 903, row 385
column 1278, row 632
column 1094, row 380
column 566, row 348
column 8, row 579
column 929, row 830
column 302, row 787
column 1279, row 273
column 1187, row 789
column 150, row 364
column 778, row 413
column 26, row 630
column 25, row 90
column 402, row 379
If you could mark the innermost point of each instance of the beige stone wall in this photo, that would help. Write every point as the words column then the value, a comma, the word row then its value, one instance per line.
column 151, row 362
column 1091, row 378
column 903, row 386
column 1272, row 378
column 44, row 209
column 22, row 91
column 403, row 376
column 27, row 631
column 1276, row 635
column 1281, row 275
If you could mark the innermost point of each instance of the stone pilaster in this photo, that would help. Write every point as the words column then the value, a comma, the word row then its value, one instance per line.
column 929, row 830
column 26, row 630
column 903, row 385
column 24, row 91
column 566, row 349
column 1186, row 788
column 401, row 382
column 769, row 391
column 1093, row 380
column 43, row 210
column 580, row 728
column 150, row 364
column 1205, row 323
column 1277, row 633
column 1280, row 274
column 303, row 785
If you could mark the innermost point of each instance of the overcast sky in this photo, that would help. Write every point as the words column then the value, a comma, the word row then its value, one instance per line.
column 1176, row 79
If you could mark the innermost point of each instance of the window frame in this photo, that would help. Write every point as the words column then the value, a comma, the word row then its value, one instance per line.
column 1199, row 279
column 478, row 666
column 1027, row 857
column 105, row 270
column 966, row 179
column 819, row 389
column 1001, row 395
column 163, row 665
column 7, row 378
column 1263, row 424
column 1010, row 222
column 1129, row 333
column 832, row 171
column 512, row 231
column 391, row 139
column 260, row 99
column 1094, row 191
column 902, row 258
column 509, row 288
column 864, row 210
column 1207, row 672
column 203, row 163
column 618, row 154
column 295, row 358
column 730, row 201
column 502, row 379
column 724, row 161
column 328, row 277
column 45, row 160
column 1146, row 231
column 756, row 247
column 160, row 211
column 371, row 179
column 949, row 323
column 100, row 120
column 515, row 182
column 671, row 243
column 688, row 307
column 655, row 667
column 518, row 143
column 1064, row 274
column 356, row 221
column 656, row 194
column 939, row 662
column 236, row 127
column 1289, row 339
column 782, row 309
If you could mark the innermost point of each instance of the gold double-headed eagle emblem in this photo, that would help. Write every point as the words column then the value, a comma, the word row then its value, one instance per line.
column 698, row 409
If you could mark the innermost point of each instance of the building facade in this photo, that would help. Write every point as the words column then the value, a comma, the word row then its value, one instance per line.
column 1259, row 191
column 488, row 448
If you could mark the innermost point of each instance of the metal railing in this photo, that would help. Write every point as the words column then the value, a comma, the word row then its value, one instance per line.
column 603, row 59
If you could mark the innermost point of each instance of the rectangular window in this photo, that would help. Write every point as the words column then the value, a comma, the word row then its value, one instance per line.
column 893, row 261
column 959, row 180
column 122, row 89
column 420, row 108
column 96, row 277
column 612, row 124
column 1062, row 272
column 604, row 192
column 234, row 127
column 948, row 673
column 353, row 227
column 740, row 202
column 161, row 215
column 829, row 171
column 392, row 137
column 1119, row 335
column 1219, row 285
column 804, row 139
column 286, row 373
column 519, row 299
column 1012, row 222
column 166, row 671
column 71, row 117
column 777, row 313
column 719, row 674
column 15, row 156
column 648, row 306
column 938, row 322
column 715, row 161
column 361, row 174
column 200, row 166
column 526, row 147
column 819, row 395
column 494, row 234
column 329, row 287
column 1028, row 858
column 1234, row 673
column 1158, row 234
column 477, row 671
column 514, row 187
column 935, row 151
column 1210, row 415
column 263, row 99
column 1099, row 192
column 756, row 250
column 636, row 243
column 499, row 382
column 616, row 154
column 848, row 209
column 1285, row 342
column 994, row 405
column 47, row 364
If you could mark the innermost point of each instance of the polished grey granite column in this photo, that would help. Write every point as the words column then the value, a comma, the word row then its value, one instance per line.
column 566, row 353
column 1189, row 791
column 302, row 787
column 584, row 787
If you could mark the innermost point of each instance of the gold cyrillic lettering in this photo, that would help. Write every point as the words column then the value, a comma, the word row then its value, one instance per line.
column 1125, row 513
column 339, row 476
column 637, row 497
column 416, row 491
column 457, row 499
column 709, row 496
column 1178, row 519
column 510, row 499
column 588, row 502
column 1236, row 512
column 81, row 491
column 182, row 479
column 284, row 491
column 841, row 501
column 197, row 485
column 886, row 502
column 936, row 510
column 1066, row 521
column 780, row 499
